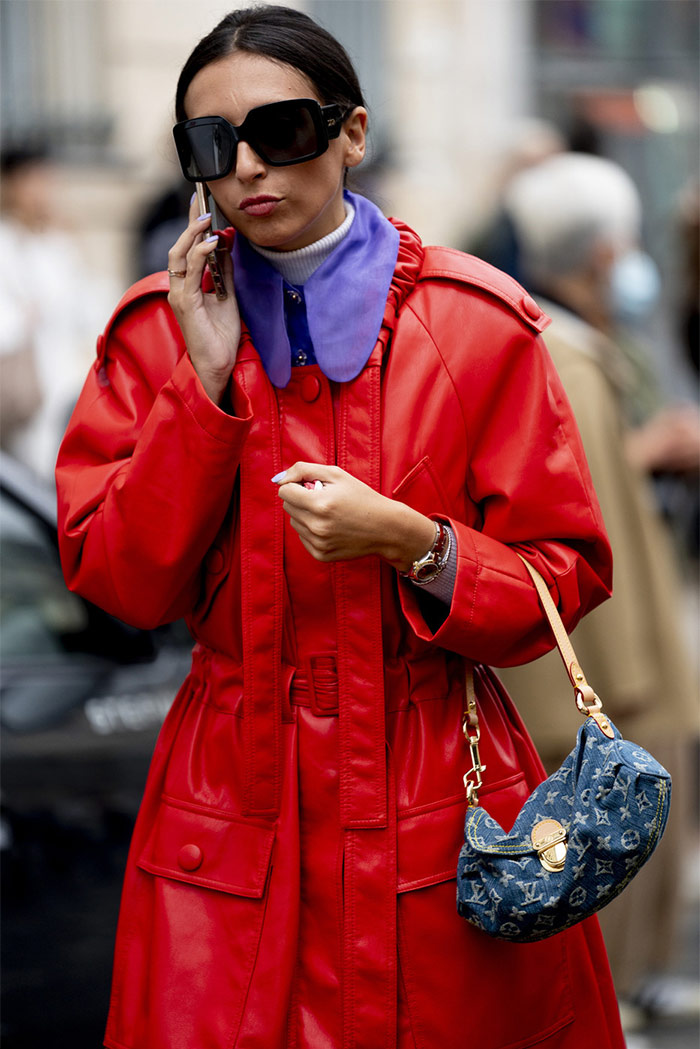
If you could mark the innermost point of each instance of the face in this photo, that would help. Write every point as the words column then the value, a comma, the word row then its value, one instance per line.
column 30, row 194
column 283, row 208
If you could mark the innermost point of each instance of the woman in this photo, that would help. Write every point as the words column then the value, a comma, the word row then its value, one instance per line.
column 291, row 878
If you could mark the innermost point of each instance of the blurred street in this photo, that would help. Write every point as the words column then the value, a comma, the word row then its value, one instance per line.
column 680, row 1034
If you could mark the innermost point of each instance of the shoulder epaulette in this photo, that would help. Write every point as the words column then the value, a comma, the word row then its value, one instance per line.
column 155, row 283
column 450, row 264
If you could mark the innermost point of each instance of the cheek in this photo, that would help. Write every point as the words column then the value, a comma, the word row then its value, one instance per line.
column 225, row 205
column 324, row 183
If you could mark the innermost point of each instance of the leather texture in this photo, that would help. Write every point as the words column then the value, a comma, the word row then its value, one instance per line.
column 292, row 873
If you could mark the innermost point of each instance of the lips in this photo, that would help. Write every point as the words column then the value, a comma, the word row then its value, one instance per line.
column 259, row 206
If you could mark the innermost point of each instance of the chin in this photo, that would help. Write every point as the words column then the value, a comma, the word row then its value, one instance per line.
column 275, row 240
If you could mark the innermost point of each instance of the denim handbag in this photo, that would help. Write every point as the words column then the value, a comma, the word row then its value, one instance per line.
column 580, row 837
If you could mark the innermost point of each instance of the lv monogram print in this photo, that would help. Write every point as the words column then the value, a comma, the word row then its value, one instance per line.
column 611, row 798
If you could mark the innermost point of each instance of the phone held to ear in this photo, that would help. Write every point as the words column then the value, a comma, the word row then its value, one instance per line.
column 212, row 261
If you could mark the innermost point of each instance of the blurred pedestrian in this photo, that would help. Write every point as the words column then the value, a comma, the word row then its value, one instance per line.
column 688, row 300
column 161, row 222
column 577, row 220
column 531, row 141
column 330, row 494
column 51, row 306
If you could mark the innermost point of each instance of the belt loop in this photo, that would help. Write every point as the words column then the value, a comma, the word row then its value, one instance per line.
column 324, row 703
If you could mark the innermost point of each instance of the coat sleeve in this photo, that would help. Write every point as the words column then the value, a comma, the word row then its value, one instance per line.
column 528, row 481
column 145, row 472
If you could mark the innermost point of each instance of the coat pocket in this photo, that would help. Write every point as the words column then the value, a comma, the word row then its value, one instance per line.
column 422, row 489
column 192, row 916
column 463, row 987
column 218, row 851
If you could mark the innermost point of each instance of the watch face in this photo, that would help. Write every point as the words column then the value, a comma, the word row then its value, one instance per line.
column 426, row 572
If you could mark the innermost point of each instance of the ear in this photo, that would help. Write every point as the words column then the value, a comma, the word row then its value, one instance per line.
column 354, row 136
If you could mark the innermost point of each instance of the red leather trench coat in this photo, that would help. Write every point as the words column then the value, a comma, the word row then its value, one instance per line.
column 291, row 881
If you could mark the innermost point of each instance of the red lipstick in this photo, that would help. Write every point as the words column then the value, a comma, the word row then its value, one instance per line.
column 259, row 206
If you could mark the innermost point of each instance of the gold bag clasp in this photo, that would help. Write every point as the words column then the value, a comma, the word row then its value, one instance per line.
column 548, row 838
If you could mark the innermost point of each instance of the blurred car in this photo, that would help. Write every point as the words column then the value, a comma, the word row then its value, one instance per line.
column 82, row 697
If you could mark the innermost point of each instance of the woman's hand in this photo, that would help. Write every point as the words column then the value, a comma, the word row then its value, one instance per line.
column 211, row 326
column 339, row 518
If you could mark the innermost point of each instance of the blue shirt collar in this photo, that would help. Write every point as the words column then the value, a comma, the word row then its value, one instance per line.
column 345, row 298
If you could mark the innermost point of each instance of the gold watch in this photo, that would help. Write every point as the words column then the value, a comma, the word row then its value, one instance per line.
column 431, row 564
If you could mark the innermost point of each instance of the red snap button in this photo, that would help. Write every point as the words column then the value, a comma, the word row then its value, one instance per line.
column 190, row 857
column 531, row 308
column 310, row 388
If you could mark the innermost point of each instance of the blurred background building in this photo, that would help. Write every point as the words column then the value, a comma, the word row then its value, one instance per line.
column 451, row 85
column 462, row 93
column 449, row 82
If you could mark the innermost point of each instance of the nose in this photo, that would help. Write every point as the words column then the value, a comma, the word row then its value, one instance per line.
column 249, row 166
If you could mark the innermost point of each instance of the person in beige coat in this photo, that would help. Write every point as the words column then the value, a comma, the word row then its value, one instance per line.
column 576, row 217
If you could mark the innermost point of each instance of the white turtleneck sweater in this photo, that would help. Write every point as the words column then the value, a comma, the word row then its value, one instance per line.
column 297, row 266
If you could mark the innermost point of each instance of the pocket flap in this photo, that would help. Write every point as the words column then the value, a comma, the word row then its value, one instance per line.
column 429, row 838
column 428, row 844
column 421, row 489
column 209, row 848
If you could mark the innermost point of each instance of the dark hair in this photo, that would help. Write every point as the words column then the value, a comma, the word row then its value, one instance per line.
column 18, row 158
column 284, row 35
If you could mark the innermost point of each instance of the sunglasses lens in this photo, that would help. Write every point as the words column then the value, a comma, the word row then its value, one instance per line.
column 206, row 150
column 283, row 133
column 280, row 133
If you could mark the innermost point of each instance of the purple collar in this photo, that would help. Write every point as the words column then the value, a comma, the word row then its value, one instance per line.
column 345, row 298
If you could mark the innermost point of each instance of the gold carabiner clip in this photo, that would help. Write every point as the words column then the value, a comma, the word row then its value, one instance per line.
column 473, row 786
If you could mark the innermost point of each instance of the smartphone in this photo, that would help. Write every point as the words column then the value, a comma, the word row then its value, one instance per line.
column 212, row 261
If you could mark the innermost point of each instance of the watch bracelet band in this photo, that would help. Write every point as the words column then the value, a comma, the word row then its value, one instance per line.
column 440, row 548
column 442, row 585
column 446, row 536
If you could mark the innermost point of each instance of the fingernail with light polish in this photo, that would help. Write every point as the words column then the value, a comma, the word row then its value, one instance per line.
column 279, row 477
column 206, row 215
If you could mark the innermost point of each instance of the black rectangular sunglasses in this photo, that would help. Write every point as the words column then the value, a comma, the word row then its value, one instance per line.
column 281, row 133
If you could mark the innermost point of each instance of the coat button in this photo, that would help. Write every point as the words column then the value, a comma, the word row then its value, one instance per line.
column 310, row 388
column 531, row 308
column 190, row 857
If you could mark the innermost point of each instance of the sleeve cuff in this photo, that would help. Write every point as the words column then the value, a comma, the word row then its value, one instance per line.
column 218, row 423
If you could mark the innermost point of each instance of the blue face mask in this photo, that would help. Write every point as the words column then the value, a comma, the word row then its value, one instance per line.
column 635, row 286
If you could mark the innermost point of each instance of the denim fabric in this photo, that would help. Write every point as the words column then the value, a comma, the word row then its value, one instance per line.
column 611, row 797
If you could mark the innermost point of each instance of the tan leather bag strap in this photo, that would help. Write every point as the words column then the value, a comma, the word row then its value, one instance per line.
column 566, row 649
column 586, row 700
